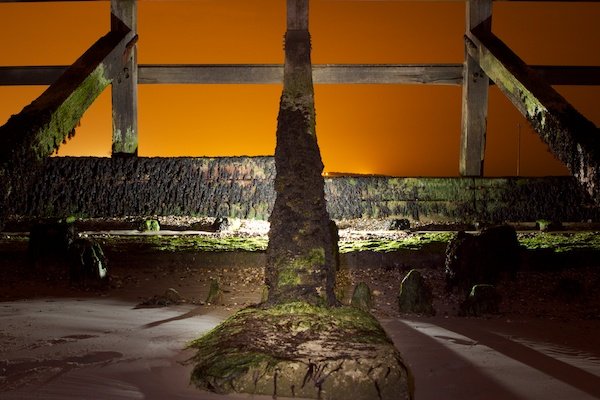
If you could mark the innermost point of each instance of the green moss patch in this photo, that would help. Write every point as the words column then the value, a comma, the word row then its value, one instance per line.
column 259, row 243
column 561, row 242
column 413, row 242
column 206, row 243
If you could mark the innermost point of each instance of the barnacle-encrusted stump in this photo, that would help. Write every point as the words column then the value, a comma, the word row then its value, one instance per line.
column 301, row 350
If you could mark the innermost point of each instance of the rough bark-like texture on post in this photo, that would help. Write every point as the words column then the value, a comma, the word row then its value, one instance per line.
column 300, row 256
column 36, row 132
column 571, row 137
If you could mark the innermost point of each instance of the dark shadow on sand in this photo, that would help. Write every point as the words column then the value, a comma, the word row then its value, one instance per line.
column 560, row 370
column 439, row 372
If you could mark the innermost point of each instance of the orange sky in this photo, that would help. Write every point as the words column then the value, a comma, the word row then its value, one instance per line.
column 384, row 129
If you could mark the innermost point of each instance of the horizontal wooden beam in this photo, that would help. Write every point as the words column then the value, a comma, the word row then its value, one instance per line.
column 211, row 74
column 571, row 137
column 455, row 1
column 44, row 1
column 438, row 74
column 322, row 74
column 31, row 75
column 435, row 74
column 423, row 1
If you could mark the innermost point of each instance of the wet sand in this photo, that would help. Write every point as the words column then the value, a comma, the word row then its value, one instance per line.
column 105, row 348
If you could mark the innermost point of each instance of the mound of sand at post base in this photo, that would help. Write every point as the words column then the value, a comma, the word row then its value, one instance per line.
column 299, row 350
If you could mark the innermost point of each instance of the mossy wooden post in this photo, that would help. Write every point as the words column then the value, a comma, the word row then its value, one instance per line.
column 296, row 344
column 124, row 86
column 300, row 255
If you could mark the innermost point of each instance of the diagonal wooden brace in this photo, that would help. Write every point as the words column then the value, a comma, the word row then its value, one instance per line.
column 571, row 137
column 39, row 129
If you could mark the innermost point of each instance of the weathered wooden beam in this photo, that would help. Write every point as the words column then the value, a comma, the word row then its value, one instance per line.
column 437, row 74
column 124, row 87
column 44, row 1
column 571, row 137
column 211, row 74
column 474, row 98
column 441, row 74
column 411, row 1
column 394, row 74
column 31, row 75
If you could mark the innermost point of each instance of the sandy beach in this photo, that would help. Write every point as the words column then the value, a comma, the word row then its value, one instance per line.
column 75, row 348
column 63, row 342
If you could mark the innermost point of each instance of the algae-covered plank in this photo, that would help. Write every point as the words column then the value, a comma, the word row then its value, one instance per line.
column 570, row 136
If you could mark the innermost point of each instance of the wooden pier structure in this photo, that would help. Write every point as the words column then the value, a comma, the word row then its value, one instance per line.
column 41, row 127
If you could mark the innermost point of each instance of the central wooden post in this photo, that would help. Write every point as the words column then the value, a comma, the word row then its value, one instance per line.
column 300, row 255
column 474, row 98
column 124, row 86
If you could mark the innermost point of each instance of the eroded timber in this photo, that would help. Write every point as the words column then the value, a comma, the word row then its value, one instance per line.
column 300, row 255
